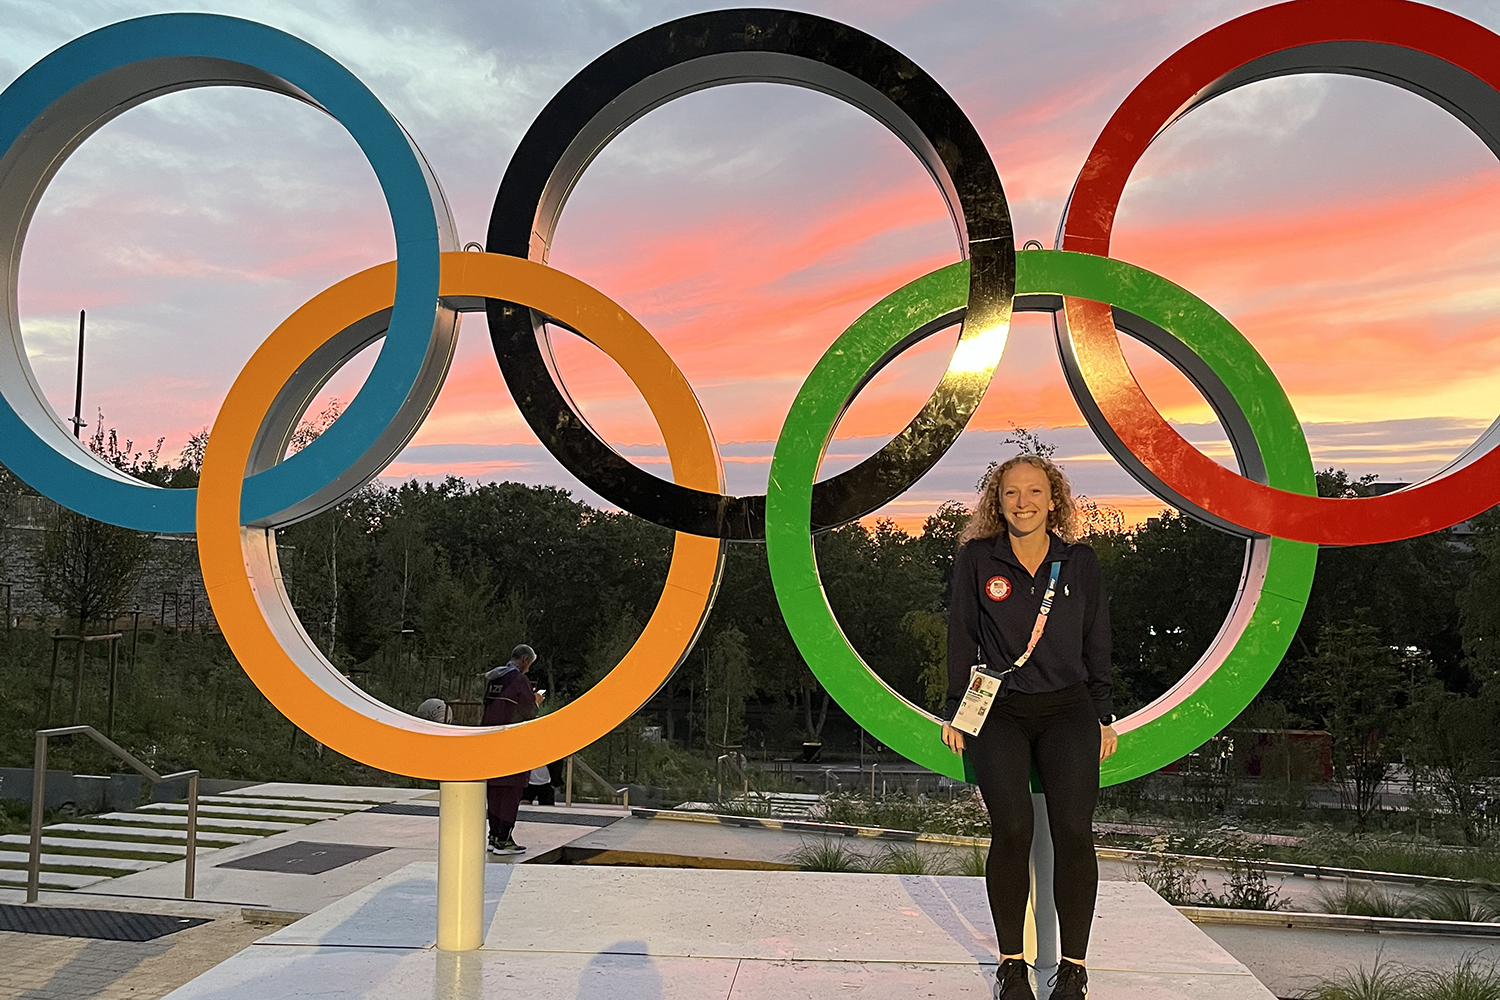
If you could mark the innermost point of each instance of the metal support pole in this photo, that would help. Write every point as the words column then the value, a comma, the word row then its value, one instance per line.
column 1042, row 914
column 78, row 682
column 77, row 420
column 190, row 871
column 52, row 682
column 38, row 803
column 114, row 664
column 461, row 864
column 568, row 788
column 135, row 637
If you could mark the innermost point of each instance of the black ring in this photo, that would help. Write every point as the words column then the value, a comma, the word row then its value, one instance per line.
column 739, row 46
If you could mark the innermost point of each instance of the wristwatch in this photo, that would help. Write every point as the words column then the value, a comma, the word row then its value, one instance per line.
column 1107, row 720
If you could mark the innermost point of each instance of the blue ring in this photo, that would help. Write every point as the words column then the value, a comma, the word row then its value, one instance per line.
column 312, row 72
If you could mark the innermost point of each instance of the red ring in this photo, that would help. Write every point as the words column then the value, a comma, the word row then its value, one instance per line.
column 1163, row 96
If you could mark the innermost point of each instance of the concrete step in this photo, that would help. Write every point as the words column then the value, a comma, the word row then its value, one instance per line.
column 123, row 866
column 217, row 811
column 267, row 802
column 150, row 834
column 50, row 880
column 99, row 848
column 263, row 827
column 321, row 795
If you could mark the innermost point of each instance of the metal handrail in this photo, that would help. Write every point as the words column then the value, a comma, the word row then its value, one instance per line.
column 734, row 761
column 39, row 799
column 624, row 793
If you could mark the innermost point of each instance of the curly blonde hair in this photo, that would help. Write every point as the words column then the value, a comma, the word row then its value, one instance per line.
column 989, row 520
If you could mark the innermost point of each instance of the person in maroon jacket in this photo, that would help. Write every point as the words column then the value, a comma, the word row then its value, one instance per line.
column 508, row 698
column 1028, row 604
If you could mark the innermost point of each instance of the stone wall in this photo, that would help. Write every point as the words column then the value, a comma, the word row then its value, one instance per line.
column 170, row 592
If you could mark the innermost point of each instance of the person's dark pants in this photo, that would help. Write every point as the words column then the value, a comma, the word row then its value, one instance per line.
column 542, row 795
column 1058, row 732
column 504, row 804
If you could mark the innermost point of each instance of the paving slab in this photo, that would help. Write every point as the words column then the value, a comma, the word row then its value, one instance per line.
column 398, row 911
column 277, row 890
column 295, row 972
column 646, row 841
column 352, row 794
column 43, row 967
column 580, row 932
column 407, row 838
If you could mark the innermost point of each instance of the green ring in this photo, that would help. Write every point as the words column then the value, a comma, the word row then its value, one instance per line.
column 827, row 392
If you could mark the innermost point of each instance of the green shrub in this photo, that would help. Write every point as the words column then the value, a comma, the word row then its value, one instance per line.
column 1362, row 899
column 914, row 860
column 1177, row 880
column 964, row 816
column 1468, row 979
column 1373, row 852
column 828, row 854
column 1457, row 902
column 1383, row 981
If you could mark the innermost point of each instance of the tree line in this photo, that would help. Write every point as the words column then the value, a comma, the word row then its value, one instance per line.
column 414, row 589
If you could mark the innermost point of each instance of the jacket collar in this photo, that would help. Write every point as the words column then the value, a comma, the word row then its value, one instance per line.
column 1000, row 551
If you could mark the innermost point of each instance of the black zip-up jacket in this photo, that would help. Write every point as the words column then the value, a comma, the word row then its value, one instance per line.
column 994, row 607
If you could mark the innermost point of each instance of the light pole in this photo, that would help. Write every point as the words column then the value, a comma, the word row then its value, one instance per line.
column 77, row 420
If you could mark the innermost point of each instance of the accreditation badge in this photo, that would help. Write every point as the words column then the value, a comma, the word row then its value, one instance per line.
column 975, row 707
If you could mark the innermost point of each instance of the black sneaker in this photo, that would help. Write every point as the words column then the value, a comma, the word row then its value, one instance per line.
column 1011, row 981
column 506, row 846
column 1070, row 981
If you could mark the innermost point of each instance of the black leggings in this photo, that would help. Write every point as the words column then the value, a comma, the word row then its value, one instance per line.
column 1058, row 732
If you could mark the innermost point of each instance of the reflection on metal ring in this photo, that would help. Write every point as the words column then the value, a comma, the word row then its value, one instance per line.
column 244, row 583
column 735, row 46
column 77, row 89
column 1277, row 574
column 1445, row 58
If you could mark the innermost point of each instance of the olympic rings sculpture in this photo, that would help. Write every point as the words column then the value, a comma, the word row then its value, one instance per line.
column 249, row 486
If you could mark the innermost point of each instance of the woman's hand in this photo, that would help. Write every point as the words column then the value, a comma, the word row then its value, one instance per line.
column 953, row 738
column 1109, row 741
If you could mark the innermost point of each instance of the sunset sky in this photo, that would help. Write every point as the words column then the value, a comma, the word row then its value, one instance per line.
column 1348, row 228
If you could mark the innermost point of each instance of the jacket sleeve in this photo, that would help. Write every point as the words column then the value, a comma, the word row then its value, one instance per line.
column 1096, row 639
column 963, row 629
column 525, row 696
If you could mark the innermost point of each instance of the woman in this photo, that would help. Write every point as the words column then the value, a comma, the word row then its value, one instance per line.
column 1054, row 711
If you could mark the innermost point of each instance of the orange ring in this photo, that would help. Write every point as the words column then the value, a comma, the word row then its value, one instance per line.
column 245, row 588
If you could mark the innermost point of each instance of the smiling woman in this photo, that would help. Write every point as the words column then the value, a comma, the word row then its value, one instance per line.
column 1052, row 709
